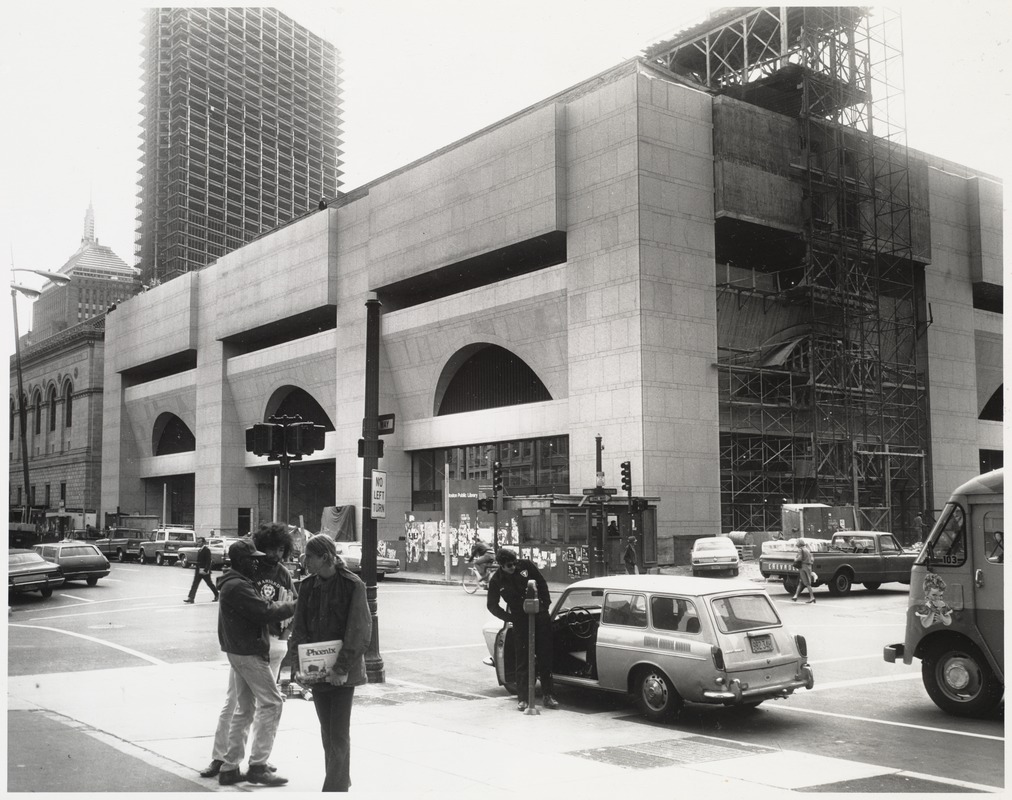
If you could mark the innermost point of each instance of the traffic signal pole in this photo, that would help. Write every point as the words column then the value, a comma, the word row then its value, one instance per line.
column 374, row 668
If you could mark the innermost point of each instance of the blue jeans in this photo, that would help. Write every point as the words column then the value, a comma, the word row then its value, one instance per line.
column 333, row 708
column 256, row 702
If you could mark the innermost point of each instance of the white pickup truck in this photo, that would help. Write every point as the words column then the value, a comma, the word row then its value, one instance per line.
column 164, row 544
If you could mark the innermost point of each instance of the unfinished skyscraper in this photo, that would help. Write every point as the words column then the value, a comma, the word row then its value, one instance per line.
column 241, row 132
column 821, row 241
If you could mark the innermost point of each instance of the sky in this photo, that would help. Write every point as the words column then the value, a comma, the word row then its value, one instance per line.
column 417, row 76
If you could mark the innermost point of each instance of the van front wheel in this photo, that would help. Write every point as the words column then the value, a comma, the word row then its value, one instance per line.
column 655, row 696
column 959, row 681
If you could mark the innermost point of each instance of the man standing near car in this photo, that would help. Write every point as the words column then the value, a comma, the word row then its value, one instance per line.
column 202, row 571
column 510, row 583
column 253, row 699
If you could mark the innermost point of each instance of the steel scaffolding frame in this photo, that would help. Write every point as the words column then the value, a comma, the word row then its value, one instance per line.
column 840, row 416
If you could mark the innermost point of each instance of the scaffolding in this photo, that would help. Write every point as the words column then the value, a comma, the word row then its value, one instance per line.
column 831, row 406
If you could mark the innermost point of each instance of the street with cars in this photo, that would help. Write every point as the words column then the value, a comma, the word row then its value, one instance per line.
column 860, row 709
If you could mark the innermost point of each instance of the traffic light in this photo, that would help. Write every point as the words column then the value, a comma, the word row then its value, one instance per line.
column 265, row 439
column 497, row 477
column 626, row 476
column 485, row 504
column 304, row 438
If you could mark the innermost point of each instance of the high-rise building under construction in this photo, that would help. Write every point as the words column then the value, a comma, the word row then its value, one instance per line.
column 240, row 132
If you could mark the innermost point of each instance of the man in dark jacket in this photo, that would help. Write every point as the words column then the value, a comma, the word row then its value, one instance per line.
column 243, row 617
column 510, row 583
column 202, row 571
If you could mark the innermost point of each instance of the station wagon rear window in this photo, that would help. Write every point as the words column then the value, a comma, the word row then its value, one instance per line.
column 744, row 612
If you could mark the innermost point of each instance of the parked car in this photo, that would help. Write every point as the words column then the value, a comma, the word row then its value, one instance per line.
column 78, row 561
column 713, row 554
column 27, row 571
column 351, row 554
column 666, row 641
column 187, row 556
column 165, row 543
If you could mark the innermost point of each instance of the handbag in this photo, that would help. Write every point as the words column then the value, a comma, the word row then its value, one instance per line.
column 798, row 560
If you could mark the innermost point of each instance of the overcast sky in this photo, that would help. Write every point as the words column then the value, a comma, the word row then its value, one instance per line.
column 418, row 75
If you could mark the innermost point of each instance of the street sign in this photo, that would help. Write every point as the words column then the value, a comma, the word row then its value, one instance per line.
column 601, row 490
column 379, row 494
column 385, row 424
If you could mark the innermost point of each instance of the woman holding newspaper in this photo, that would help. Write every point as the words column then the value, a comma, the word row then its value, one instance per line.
column 331, row 631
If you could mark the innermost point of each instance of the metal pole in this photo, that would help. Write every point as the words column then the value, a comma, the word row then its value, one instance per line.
column 598, row 565
column 284, row 479
column 26, row 513
column 370, row 434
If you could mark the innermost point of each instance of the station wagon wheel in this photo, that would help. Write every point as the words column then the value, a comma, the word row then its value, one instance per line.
column 47, row 592
column 92, row 581
column 656, row 698
column 872, row 586
column 580, row 621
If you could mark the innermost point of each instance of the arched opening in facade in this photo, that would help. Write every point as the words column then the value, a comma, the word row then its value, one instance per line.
column 482, row 376
column 171, row 435
column 68, row 405
column 291, row 401
column 993, row 410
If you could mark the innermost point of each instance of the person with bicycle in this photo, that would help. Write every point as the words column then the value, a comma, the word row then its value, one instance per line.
column 482, row 557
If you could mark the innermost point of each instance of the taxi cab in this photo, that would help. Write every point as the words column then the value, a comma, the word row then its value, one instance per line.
column 667, row 640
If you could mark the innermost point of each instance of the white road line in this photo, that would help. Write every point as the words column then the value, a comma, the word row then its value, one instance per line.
column 95, row 613
column 151, row 659
column 930, row 728
column 75, row 597
column 434, row 649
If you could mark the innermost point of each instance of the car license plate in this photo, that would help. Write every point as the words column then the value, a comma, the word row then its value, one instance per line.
column 761, row 644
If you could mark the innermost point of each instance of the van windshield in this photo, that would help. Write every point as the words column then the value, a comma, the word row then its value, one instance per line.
column 947, row 542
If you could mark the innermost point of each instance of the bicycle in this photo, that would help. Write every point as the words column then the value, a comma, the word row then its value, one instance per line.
column 472, row 579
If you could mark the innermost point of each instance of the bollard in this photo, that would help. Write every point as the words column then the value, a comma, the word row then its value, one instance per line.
column 531, row 607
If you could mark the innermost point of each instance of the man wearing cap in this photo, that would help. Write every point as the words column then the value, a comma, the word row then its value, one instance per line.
column 509, row 582
column 253, row 697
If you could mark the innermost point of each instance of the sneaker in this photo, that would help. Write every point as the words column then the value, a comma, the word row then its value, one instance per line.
column 260, row 773
column 212, row 769
column 188, row 600
column 227, row 777
column 522, row 705
column 550, row 702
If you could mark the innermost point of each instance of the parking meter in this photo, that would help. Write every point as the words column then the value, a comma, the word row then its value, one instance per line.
column 531, row 607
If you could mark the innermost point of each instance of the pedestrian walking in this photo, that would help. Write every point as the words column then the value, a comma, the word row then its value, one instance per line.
column 253, row 700
column 202, row 571
column 804, row 561
column 629, row 557
column 332, row 606
column 509, row 583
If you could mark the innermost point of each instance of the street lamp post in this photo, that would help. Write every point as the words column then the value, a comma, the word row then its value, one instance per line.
column 30, row 293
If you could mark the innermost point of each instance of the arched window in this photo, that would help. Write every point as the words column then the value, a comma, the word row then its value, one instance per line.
column 52, row 408
column 171, row 435
column 485, row 376
column 68, row 403
column 291, row 401
column 38, row 413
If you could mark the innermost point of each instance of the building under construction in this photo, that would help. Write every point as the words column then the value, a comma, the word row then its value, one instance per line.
column 241, row 132
column 822, row 235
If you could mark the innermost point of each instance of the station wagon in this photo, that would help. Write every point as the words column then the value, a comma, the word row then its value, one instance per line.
column 666, row 641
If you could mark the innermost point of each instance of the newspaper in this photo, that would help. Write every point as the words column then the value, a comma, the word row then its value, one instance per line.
column 316, row 659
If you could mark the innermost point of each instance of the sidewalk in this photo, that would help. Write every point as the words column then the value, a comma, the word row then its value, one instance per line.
column 151, row 730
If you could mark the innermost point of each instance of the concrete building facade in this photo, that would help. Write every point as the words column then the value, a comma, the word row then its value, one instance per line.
column 579, row 236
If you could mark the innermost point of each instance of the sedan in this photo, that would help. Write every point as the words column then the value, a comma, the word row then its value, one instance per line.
column 714, row 554
column 667, row 641
column 78, row 561
column 351, row 554
column 27, row 571
column 187, row 556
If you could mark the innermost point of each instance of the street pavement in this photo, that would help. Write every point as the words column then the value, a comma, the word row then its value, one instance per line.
column 150, row 728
